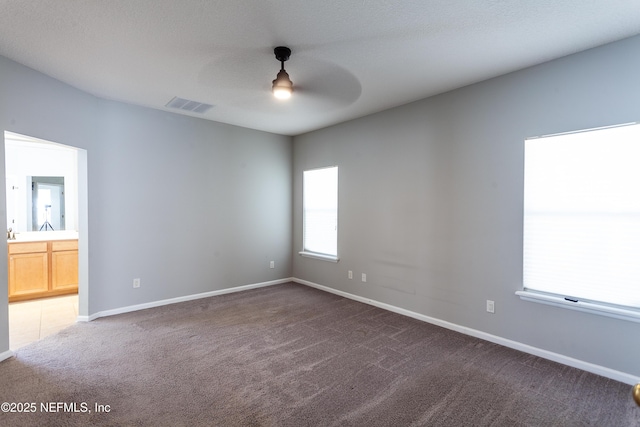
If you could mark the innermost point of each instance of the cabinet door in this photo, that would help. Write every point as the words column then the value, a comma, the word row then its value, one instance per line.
column 28, row 274
column 64, row 270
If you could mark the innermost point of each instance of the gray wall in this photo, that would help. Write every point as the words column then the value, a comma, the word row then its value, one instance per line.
column 185, row 204
column 430, row 200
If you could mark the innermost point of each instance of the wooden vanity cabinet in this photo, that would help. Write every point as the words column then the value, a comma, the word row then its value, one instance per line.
column 42, row 269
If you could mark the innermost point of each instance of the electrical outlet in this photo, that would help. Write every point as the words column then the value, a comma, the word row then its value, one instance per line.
column 136, row 283
column 364, row 277
column 491, row 306
column 350, row 274
column 272, row 264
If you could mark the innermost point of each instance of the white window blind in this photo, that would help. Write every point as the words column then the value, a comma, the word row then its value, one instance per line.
column 320, row 212
column 582, row 216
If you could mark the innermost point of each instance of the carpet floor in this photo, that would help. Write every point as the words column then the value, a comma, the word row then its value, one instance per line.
column 290, row 355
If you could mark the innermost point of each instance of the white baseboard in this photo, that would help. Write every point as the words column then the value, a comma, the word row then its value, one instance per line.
column 153, row 304
column 6, row 355
column 565, row 360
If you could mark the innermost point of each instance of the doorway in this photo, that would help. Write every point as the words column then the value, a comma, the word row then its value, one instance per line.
column 47, row 201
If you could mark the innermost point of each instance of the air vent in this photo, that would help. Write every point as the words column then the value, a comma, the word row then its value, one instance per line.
column 187, row 105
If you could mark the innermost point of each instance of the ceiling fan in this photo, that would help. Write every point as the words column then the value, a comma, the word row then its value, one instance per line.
column 282, row 85
column 319, row 84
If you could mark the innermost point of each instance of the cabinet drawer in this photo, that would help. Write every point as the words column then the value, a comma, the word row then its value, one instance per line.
column 27, row 247
column 64, row 245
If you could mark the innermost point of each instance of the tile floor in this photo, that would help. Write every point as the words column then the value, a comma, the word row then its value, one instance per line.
column 30, row 321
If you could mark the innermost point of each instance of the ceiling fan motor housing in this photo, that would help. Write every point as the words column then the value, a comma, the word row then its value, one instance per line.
column 282, row 53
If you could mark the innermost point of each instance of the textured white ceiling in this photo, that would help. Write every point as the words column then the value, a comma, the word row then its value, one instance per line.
column 350, row 58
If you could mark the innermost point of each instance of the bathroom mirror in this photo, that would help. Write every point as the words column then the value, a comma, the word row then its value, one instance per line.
column 47, row 207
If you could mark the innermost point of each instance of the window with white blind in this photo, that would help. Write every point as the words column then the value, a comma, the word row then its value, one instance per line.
column 581, row 242
column 320, row 213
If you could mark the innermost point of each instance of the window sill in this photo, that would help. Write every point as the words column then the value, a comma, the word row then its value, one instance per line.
column 323, row 257
column 585, row 306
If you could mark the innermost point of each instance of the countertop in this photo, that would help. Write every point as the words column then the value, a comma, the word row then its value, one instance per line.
column 43, row 236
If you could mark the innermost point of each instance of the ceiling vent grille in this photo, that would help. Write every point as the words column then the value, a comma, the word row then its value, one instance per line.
column 187, row 105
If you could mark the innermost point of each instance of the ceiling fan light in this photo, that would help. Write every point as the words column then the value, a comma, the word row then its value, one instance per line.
column 282, row 93
column 282, row 85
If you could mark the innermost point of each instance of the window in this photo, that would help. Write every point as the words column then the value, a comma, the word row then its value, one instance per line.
column 320, row 213
column 581, row 241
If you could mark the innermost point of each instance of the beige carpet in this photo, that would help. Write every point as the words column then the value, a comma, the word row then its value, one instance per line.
column 289, row 355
